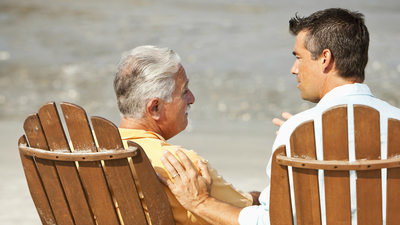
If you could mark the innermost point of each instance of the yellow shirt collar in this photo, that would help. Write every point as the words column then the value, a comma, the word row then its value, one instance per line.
column 138, row 134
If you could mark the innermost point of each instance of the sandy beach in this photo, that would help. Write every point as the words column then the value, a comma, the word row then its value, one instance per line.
column 237, row 55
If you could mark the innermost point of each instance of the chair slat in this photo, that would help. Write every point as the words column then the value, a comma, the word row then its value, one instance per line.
column 118, row 173
column 52, row 127
column 92, row 175
column 367, row 146
column 280, row 203
column 337, row 183
column 78, row 127
column 67, row 171
column 36, row 187
column 48, row 173
column 305, row 182
column 155, row 197
column 393, row 175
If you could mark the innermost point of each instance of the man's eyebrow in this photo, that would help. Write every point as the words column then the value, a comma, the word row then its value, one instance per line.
column 294, row 53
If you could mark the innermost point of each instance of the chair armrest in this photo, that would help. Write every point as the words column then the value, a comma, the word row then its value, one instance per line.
column 338, row 165
column 66, row 155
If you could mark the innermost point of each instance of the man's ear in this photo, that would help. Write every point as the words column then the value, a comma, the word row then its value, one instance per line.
column 154, row 108
column 327, row 61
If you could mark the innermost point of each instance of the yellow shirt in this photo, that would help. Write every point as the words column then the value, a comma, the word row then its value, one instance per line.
column 154, row 145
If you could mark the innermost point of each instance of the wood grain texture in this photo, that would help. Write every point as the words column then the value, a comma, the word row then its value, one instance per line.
column 67, row 171
column 337, row 183
column 367, row 138
column 305, row 182
column 91, row 173
column 79, row 182
column 36, row 188
column 280, row 205
column 155, row 197
column 372, row 164
column 393, row 175
column 118, row 173
column 368, row 146
column 48, row 172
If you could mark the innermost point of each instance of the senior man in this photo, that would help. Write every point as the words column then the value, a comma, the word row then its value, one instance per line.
column 331, row 53
column 153, row 97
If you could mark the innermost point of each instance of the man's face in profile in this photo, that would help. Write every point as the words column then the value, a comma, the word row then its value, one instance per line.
column 307, row 70
column 176, row 111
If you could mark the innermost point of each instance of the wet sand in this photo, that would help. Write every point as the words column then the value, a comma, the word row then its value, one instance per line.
column 237, row 56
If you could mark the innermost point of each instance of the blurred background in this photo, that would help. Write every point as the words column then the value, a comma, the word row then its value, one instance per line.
column 237, row 55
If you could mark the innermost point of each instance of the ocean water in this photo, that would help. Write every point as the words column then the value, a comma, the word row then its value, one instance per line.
column 237, row 54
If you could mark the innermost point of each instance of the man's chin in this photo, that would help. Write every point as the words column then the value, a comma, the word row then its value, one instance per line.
column 186, row 123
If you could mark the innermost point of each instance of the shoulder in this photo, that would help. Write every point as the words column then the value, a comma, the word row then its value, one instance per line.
column 386, row 109
column 192, row 155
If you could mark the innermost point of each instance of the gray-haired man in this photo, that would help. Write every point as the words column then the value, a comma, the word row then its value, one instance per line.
column 153, row 97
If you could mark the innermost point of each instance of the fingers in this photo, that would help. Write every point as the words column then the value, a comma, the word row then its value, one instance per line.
column 165, row 181
column 287, row 115
column 204, row 171
column 278, row 122
column 187, row 163
column 172, row 165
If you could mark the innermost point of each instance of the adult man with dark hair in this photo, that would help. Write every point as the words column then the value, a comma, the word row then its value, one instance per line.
column 153, row 97
column 331, row 55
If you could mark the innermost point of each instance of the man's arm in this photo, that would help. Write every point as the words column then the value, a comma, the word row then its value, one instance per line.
column 193, row 190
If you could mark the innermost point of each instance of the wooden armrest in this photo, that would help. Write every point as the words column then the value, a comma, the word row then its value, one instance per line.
column 338, row 165
column 66, row 155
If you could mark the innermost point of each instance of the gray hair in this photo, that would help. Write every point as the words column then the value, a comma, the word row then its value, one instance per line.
column 146, row 72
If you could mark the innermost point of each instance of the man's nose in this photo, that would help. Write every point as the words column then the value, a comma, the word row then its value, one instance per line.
column 191, row 97
column 295, row 69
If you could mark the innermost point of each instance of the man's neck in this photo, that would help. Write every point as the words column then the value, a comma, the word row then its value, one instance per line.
column 139, row 124
column 336, row 82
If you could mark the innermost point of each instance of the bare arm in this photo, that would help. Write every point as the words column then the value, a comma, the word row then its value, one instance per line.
column 193, row 190
column 280, row 122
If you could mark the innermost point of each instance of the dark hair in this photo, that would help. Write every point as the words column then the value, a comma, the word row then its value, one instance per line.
column 342, row 32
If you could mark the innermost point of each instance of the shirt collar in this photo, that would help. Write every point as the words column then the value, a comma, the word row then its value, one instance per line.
column 346, row 90
column 138, row 134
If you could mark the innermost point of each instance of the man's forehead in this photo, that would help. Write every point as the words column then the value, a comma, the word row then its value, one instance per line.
column 299, row 46
column 301, row 38
column 181, row 77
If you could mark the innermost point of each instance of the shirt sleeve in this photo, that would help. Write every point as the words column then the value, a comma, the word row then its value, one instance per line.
column 259, row 215
column 226, row 192
column 221, row 189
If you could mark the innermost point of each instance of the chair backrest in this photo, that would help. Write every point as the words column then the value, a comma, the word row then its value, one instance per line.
column 336, row 166
column 91, row 178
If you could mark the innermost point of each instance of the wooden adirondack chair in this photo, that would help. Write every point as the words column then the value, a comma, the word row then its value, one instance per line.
column 79, row 182
column 336, row 168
